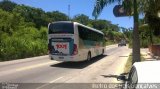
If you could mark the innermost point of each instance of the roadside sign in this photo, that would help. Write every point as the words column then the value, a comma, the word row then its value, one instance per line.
column 119, row 11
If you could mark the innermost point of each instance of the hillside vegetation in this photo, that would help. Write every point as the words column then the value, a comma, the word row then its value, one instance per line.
column 23, row 29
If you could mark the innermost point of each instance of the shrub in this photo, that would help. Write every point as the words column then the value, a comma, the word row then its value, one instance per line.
column 27, row 42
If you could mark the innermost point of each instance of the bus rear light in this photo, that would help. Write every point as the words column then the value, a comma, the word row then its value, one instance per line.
column 75, row 50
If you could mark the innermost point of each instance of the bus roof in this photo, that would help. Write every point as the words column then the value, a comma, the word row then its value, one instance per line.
column 80, row 25
column 90, row 28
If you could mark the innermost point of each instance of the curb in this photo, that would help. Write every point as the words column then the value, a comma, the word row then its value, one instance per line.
column 23, row 60
column 148, row 56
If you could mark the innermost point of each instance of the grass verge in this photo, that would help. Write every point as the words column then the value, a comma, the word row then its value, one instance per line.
column 129, row 63
column 109, row 43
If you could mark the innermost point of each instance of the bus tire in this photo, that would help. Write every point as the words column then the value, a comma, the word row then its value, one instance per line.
column 102, row 52
column 89, row 56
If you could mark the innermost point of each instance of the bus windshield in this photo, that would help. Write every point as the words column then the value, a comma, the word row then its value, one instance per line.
column 55, row 28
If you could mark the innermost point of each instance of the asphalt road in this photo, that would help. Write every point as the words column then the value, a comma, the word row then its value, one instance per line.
column 43, row 73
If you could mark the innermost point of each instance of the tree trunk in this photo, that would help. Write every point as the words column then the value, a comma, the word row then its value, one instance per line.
column 151, row 36
column 136, row 40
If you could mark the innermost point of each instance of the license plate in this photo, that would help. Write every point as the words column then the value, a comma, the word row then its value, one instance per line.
column 61, row 57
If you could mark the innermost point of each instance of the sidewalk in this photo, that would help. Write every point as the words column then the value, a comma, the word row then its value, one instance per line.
column 147, row 55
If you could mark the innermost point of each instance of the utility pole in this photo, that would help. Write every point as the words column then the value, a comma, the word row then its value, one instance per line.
column 69, row 12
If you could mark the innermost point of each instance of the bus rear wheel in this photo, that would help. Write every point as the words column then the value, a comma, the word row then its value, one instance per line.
column 102, row 52
column 89, row 56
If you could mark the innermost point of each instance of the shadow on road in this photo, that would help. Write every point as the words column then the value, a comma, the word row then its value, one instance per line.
column 78, row 65
column 123, row 56
column 113, row 76
column 118, row 77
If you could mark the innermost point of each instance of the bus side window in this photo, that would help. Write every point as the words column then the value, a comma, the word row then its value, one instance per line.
column 83, row 33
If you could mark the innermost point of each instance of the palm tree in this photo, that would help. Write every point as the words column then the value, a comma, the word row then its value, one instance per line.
column 152, row 18
column 136, row 40
column 131, row 4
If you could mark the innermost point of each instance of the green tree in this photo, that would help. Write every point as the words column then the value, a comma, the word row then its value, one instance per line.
column 20, row 39
column 57, row 16
column 144, row 35
column 7, row 5
column 115, row 27
column 10, row 22
column 127, row 32
column 81, row 18
column 100, row 24
column 129, row 5
column 110, row 34
column 153, row 19
column 34, row 15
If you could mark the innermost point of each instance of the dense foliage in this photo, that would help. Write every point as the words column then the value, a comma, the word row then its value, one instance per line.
column 20, row 39
column 23, row 29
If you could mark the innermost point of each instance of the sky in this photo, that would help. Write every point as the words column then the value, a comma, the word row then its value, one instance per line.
column 78, row 7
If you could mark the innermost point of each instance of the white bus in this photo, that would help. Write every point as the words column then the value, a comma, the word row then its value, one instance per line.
column 72, row 41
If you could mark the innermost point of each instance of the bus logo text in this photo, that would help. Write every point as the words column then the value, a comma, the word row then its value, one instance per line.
column 61, row 46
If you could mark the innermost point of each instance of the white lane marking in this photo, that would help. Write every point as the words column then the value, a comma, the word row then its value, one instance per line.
column 34, row 66
column 26, row 68
column 49, row 82
column 55, row 80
